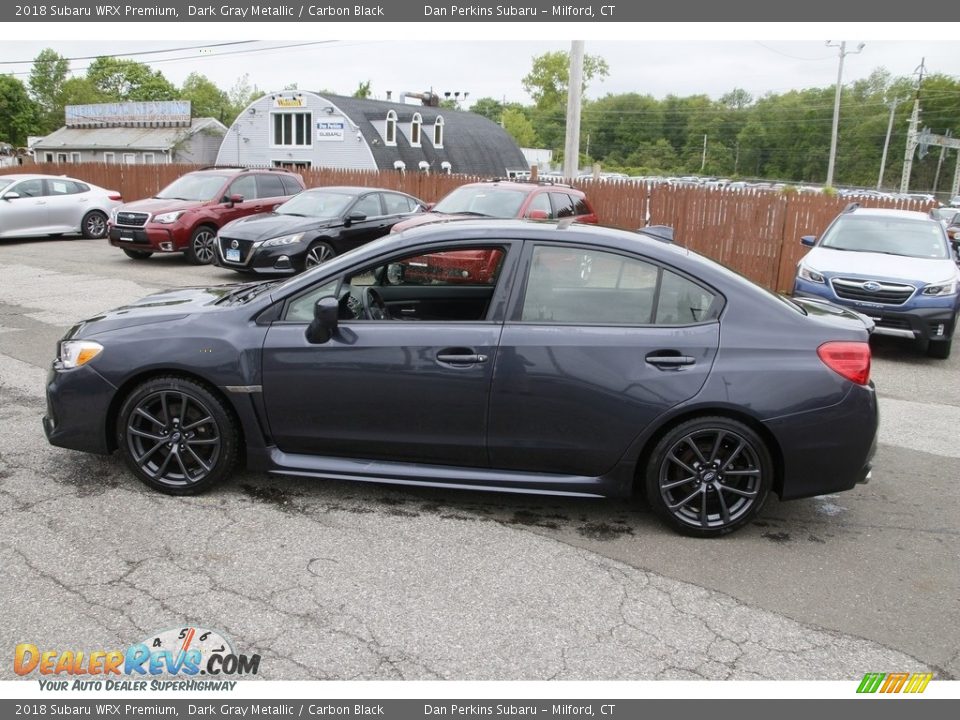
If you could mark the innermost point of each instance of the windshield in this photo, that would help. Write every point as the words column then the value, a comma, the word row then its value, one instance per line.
column 316, row 203
column 919, row 238
column 194, row 186
column 486, row 201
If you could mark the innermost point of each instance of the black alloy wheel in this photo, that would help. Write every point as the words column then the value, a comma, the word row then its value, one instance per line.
column 202, row 246
column 176, row 436
column 709, row 476
column 94, row 225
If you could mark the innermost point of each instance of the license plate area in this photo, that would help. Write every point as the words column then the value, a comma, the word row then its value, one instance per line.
column 232, row 255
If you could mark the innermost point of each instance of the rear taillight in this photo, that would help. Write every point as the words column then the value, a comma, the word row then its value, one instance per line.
column 115, row 196
column 850, row 359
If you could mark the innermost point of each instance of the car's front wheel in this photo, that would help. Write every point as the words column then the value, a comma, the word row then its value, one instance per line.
column 318, row 252
column 201, row 248
column 94, row 225
column 709, row 476
column 176, row 436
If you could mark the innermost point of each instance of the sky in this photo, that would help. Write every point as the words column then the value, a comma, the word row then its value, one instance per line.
column 494, row 68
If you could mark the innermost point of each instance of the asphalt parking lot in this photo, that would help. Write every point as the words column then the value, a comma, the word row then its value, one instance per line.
column 332, row 580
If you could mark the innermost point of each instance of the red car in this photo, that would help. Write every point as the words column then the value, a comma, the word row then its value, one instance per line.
column 495, row 199
column 186, row 215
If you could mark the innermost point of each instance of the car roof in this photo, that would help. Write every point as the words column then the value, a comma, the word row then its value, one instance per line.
column 36, row 176
column 888, row 212
column 355, row 189
column 524, row 186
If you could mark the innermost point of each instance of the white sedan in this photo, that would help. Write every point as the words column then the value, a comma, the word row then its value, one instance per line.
column 36, row 205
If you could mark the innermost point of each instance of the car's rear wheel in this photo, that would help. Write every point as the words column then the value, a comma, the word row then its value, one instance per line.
column 709, row 476
column 136, row 254
column 176, row 436
column 202, row 246
column 318, row 252
column 94, row 225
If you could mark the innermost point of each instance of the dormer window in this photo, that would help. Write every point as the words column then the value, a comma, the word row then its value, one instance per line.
column 438, row 132
column 415, row 126
column 390, row 135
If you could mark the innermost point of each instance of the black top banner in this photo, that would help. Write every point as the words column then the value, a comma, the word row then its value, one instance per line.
column 327, row 11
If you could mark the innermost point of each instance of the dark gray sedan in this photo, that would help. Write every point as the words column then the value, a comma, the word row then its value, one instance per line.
column 475, row 354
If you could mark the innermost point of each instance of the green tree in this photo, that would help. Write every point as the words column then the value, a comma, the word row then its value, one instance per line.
column 520, row 128
column 363, row 90
column 206, row 99
column 549, row 77
column 122, row 80
column 488, row 107
column 18, row 113
column 242, row 94
column 80, row 91
column 47, row 77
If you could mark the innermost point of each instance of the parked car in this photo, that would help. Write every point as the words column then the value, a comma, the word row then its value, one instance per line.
column 668, row 372
column 508, row 199
column 311, row 228
column 33, row 205
column 186, row 215
column 895, row 266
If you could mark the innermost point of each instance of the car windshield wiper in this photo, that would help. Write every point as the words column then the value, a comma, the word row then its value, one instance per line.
column 468, row 212
column 167, row 197
column 252, row 292
column 292, row 214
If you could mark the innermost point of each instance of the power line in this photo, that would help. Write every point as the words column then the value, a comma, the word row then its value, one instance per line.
column 134, row 54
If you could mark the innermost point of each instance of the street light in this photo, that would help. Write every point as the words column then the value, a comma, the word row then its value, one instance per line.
column 836, row 105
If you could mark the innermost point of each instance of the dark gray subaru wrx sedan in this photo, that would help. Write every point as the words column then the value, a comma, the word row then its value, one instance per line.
column 481, row 355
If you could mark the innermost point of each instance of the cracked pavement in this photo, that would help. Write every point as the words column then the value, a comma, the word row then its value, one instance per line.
column 331, row 580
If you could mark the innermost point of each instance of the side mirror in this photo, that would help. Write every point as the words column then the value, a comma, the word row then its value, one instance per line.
column 354, row 217
column 324, row 325
column 538, row 215
column 234, row 199
column 808, row 240
column 395, row 272
column 11, row 196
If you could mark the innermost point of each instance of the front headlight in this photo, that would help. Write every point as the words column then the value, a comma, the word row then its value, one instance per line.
column 809, row 274
column 283, row 240
column 113, row 215
column 168, row 218
column 943, row 289
column 74, row 353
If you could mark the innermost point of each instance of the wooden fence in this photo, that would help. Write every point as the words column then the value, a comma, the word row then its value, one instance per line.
column 756, row 233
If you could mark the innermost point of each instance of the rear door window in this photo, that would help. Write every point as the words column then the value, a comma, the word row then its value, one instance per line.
column 269, row 186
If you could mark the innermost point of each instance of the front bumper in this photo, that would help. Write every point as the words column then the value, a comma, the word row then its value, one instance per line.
column 78, row 403
column 281, row 260
column 933, row 320
column 149, row 238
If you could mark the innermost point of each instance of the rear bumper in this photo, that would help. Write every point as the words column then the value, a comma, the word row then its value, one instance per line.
column 828, row 451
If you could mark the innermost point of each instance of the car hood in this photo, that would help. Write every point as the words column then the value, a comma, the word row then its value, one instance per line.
column 160, row 307
column 879, row 265
column 155, row 206
column 271, row 225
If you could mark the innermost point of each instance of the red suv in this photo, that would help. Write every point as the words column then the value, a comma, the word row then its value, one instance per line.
column 508, row 199
column 186, row 215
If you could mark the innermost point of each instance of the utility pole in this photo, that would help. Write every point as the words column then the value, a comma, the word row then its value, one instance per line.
column 836, row 106
column 943, row 151
column 571, row 148
column 886, row 143
column 703, row 161
column 912, row 133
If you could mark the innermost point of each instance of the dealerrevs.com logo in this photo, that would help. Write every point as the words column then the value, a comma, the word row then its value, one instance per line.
column 184, row 653
column 900, row 682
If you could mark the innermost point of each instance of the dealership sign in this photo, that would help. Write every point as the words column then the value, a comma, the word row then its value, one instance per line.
column 330, row 130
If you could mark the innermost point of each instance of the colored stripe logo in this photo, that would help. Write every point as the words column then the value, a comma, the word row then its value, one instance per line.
column 894, row 682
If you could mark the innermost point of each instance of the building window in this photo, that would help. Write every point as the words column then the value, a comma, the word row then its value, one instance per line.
column 109, row 157
column 292, row 129
column 390, row 136
column 48, row 157
column 129, row 158
column 291, row 164
column 61, row 157
column 438, row 132
column 148, row 158
column 75, row 157
column 415, row 126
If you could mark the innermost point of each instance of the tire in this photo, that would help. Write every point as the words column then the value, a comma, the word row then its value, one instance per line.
column 940, row 349
column 176, row 436
column 709, row 476
column 94, row 225
column 202, row 245
column 318, row 252
column 137, row 254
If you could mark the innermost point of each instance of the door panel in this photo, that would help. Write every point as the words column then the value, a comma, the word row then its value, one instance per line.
column 27, row 214
column 378, row 390
column 570, row 399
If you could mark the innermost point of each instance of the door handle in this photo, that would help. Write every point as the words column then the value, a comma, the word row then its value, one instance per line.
column 663, row 360
column 454, row 357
